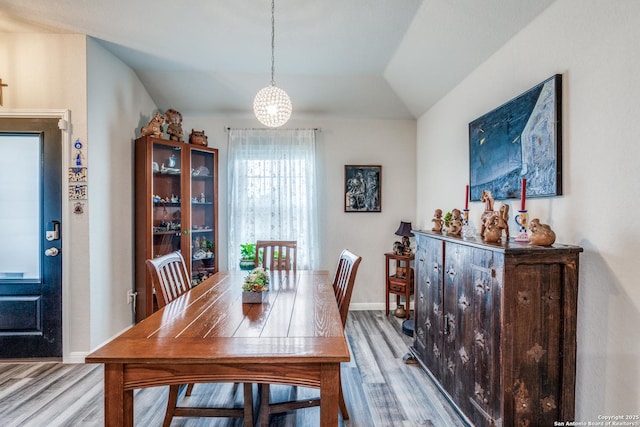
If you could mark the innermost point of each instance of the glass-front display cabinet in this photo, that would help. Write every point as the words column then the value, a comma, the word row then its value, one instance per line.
column 176, row 203
column 204, row 214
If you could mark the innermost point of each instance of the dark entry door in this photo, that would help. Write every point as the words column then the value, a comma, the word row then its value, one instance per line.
column 30, row 238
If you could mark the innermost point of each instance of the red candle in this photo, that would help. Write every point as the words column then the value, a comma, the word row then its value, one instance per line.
column 466, row 199
column 523, row 193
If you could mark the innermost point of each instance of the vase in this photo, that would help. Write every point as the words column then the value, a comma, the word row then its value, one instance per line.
column 254, row 297
column 521, row 220
column 247, row 264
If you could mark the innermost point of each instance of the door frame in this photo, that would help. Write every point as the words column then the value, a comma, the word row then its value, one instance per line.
column 64, row 124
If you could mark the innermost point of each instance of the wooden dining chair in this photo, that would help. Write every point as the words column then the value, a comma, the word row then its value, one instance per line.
column 343, row 283
column 170, row 280
column 169, row 277
column 277, row 254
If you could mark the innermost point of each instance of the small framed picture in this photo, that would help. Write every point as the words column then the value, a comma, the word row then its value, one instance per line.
column 362, row 188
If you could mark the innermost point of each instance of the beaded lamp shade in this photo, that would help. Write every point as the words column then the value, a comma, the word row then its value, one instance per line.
column 272, row 106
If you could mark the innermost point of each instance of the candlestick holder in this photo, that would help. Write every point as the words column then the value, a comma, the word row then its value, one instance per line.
column 467, row 226
column 521, row 220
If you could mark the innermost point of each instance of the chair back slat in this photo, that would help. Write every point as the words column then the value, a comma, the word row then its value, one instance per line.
column 168, row 277
column 344, row 281
column 277, row 254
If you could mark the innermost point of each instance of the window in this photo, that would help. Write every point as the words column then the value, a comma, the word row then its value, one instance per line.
column 272, row 191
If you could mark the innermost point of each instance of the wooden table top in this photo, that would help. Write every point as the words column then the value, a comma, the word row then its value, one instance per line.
column 299, row 323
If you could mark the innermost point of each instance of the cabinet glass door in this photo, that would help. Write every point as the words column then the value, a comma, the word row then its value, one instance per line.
column 167, row 206
column 203, row 220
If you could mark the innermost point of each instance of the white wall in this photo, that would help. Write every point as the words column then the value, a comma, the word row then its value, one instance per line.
column 594, row 45
column 390, row 143
column 118, row 106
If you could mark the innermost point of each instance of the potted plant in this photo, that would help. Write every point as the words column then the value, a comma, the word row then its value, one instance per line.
column 207, row 246
column 255, row 287
column 247, row 256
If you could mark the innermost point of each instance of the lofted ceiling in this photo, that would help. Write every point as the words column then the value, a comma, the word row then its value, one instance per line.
column 386, row 59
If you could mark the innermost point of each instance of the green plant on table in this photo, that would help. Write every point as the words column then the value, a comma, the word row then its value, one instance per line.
column 256, row 281
column 248, row 251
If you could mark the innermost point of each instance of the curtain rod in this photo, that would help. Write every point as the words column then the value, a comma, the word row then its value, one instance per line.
column 227, row 129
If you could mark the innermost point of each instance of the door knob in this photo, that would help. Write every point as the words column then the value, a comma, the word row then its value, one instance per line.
column 52, row 252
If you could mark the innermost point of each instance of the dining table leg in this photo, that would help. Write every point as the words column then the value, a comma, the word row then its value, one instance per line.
column 118, row 402
column 329, row 394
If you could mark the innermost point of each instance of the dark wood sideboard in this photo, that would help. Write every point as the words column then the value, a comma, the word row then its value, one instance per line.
column 495, row 327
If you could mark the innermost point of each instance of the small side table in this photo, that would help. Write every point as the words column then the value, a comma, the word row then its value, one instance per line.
column 399, row 279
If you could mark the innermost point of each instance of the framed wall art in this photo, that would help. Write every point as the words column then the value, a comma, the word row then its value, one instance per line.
column 520, row 139
column 362, row 188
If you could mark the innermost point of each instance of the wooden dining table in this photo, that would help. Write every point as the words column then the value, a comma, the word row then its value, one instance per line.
column 295, row 337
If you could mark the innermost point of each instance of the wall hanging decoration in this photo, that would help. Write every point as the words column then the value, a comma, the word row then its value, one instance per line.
column 362, row 188
column 78, row 192
column 520, row 139
column 78, row 208
column 77, row 174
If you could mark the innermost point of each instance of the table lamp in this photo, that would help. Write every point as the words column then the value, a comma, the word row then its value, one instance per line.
column 404, row 230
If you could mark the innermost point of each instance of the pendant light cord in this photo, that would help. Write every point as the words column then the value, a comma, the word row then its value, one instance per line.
column 273, row 44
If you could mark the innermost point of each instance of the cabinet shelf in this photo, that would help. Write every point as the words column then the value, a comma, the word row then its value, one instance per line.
column 204, row 258
column 167, row 232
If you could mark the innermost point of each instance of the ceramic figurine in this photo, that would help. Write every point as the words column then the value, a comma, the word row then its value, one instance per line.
column 495, row 223
column 398, row 248
column 503, row 219
column 541, row 234
column 455, row 223
column 198, row 137
column 437, row 220
column 174, row 118
column 487, row 198
column 172, row 161
column 154, row 127
column 493, row 232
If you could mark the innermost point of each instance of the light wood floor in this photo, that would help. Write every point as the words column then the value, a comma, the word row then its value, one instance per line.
column 380, row 389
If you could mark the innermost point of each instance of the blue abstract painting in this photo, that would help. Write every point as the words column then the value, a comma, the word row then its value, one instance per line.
column 520, row 139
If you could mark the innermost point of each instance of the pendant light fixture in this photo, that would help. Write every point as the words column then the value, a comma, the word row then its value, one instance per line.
column 272, row 105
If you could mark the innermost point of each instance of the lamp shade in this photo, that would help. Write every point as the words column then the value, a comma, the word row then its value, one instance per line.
column 404, row 229
column 272, row 106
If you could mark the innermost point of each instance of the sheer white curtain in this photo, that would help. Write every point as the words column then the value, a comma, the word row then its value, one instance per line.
column 272, row 191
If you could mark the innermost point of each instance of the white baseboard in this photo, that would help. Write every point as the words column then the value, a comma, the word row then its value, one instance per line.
column 75, row 357
column 78, row 356
column 362, row 306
